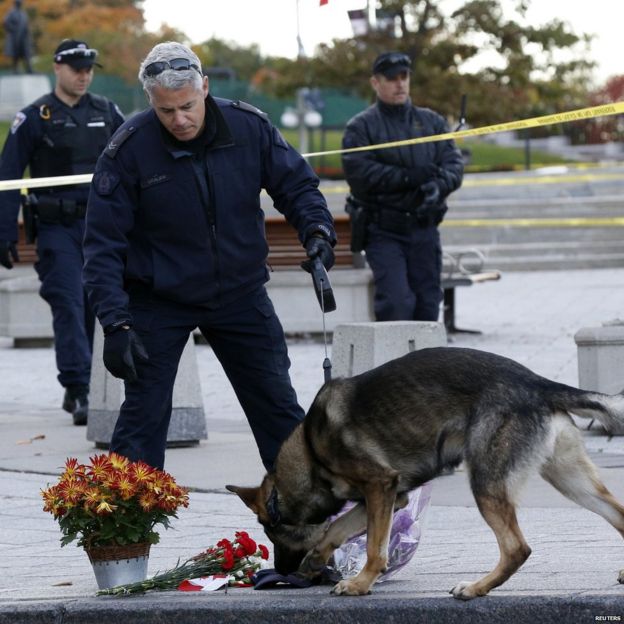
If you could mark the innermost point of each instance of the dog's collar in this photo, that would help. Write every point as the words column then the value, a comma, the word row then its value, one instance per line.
column 272, row 508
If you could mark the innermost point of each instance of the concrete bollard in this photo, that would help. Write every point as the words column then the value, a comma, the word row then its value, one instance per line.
column 188, row 421
column 24, row 315
column 358, row 347
column 600, row 352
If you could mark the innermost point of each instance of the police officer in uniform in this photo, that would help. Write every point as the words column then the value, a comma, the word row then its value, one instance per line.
column 175, row 240
column 398, row 194
column 61, row 133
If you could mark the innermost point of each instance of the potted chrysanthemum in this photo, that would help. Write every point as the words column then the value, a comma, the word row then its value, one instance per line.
column 111, row 507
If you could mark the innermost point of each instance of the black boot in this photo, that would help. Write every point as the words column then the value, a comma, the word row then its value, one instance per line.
column 76, row 401
column 69, row 405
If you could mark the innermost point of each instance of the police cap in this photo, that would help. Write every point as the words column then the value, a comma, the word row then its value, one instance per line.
column 75, row 53
column 391, row 64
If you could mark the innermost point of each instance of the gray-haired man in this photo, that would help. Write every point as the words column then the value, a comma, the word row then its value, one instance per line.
column 175, row 240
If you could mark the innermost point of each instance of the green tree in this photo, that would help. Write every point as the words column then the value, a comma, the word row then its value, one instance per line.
column 527, row 78
column 243, row 61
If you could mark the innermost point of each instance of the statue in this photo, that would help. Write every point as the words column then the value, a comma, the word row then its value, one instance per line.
column 17, row 44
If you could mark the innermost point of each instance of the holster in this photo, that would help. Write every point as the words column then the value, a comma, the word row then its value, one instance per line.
column 29, row 216
column 59, row 210
column 358, row 221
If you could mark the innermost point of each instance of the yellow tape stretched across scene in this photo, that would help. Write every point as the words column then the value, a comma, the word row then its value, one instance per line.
column 522, row 124
column 537, row 222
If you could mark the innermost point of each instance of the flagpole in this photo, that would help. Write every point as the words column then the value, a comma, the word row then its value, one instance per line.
column 300, row 49
column 371, row 15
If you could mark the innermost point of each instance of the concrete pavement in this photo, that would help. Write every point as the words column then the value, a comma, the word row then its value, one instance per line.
column 571, row 575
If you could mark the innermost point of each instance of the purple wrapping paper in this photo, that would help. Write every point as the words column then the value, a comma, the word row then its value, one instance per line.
column 405, row 533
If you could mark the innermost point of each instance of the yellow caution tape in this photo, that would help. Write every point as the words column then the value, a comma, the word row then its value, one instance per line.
column 537, row 222
column 522, row 124
column 529, row 180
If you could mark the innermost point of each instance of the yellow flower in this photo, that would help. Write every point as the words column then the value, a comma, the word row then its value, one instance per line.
column 104, row 507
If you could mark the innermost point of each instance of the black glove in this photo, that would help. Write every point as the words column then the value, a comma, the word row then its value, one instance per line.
column 432, row 196
column 318, row 246
column 121, row 346
column 415, row 176
column 8, row 250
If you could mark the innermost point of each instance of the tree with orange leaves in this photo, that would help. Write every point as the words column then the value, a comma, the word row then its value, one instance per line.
column 116, row 28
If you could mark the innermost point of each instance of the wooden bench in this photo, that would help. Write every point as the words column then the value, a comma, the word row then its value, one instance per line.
column 462, row 268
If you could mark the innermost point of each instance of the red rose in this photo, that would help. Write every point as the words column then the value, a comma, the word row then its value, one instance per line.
column 264, row 551
column 245, row 542
column 228, row 560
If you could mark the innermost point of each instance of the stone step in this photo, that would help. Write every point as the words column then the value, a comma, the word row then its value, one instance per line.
column 555, row 262
column 482, row 208
column 552, row 248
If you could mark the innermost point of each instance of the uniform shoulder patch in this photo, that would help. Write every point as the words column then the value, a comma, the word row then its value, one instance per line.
column 105, row 182
column 20, row 118
column 118, row 139
column 278, row 139
column 250, row 108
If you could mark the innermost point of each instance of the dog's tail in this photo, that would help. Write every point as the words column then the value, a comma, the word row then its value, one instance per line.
column 608, row 409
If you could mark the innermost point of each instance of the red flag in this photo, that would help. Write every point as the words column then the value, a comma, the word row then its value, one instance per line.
column 323, row 2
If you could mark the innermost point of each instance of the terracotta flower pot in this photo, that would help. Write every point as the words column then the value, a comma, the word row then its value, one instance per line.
column 119, row 565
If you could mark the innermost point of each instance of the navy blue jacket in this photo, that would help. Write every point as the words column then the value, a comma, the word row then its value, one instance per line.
column 392, row 177
column 184, row 219
column 88, row 126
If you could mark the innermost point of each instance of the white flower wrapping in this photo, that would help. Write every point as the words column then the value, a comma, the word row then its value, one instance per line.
column 405, row 534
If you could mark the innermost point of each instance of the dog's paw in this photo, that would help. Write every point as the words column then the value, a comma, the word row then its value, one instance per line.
column 464, row 591
column 621, row 577
column 350, row 587
column 312, row 565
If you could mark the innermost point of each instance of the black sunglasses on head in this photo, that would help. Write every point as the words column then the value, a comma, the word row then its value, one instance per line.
column 394, row 59
column 74, row 53
column 177, row 64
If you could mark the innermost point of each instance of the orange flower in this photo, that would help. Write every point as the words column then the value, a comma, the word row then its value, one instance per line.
column 92, row 497
column 125, row 485
column 70, row 491
column 100, row 468
column 142, row 472
column 73, row 469
column 112, row 500
column 119, row 462
column 147, row 501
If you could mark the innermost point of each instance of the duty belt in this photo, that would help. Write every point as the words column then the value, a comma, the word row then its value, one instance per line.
column 400, row 221
column 65, row 211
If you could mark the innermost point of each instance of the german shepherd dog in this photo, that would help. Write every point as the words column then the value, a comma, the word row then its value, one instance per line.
column 374, row 437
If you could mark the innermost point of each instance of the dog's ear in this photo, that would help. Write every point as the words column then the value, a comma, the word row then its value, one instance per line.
column 249, row 496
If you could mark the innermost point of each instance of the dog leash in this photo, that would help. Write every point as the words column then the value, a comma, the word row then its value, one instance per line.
column 325, row 296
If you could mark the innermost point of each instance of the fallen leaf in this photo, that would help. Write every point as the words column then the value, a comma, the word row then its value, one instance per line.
column 41, row 436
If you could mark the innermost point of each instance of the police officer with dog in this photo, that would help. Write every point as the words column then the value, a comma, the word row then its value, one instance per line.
column 175, row 241
column 398, row 194
column 62, row 133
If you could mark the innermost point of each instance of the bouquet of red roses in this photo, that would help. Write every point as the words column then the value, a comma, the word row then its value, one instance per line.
column 237, row 560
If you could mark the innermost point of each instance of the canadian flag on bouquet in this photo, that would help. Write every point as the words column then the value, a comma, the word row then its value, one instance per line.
column 322, row 2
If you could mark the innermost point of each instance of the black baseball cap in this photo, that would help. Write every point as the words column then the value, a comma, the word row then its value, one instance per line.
column 391, row 64
column 75, row 53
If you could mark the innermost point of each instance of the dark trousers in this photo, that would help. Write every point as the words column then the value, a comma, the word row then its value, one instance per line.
column 59, row 248
column 406, row 271
column 248, row 340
